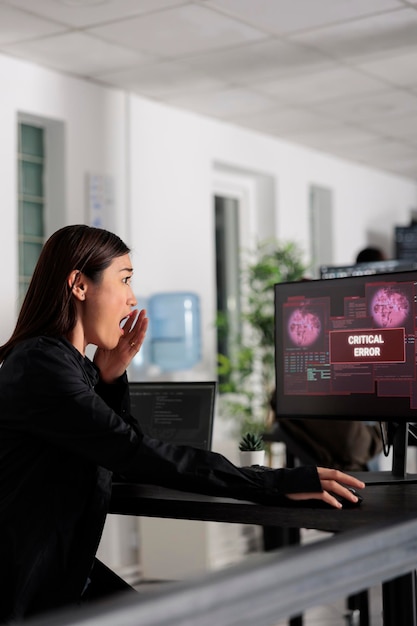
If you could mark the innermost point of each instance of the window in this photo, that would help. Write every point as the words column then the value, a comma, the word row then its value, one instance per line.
column 244, row 213
column 227, row 272
column 31, row 205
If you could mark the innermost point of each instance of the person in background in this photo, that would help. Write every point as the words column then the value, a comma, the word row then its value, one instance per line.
column 367, row 255
column 348, row 445
column 65, row 428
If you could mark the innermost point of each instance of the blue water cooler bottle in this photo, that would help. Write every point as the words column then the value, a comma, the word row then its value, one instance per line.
column 174, row 319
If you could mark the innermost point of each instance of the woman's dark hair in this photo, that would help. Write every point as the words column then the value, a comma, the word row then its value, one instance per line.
column 48, row 307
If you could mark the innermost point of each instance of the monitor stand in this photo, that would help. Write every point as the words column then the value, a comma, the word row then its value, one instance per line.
column 398, row 473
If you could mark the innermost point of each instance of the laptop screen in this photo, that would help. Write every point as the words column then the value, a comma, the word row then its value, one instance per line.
column 177, row 412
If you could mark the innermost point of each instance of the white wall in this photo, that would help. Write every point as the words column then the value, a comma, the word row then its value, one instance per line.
column 94, row 142
column 173, row 155
column 162, row 161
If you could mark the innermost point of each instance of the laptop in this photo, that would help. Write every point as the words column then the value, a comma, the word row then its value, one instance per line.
column 181, row 413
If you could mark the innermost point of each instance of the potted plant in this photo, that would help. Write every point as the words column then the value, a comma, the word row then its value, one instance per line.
column 247, row 372
column 252, row 449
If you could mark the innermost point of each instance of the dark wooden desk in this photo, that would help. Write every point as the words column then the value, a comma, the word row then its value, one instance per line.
column 383, row 503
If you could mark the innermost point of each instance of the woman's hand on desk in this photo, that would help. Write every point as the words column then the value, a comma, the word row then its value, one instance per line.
column 332, row 481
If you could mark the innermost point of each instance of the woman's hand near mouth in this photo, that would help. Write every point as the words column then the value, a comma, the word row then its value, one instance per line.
column 113, row 363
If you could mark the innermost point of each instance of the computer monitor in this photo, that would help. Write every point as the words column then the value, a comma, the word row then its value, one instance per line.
column 368, row 268
column 406, row 242
column 346, row 348
column 177, row 412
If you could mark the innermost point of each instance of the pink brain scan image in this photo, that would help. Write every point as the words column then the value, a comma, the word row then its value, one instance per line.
column 304, row 327
column 389, row 308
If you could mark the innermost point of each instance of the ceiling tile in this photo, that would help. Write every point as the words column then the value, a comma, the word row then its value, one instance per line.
column 259, row 61
column 337, row 82
column 400, row 164
column 284, row 121
column 383, row 151
column 403, row 127
column 405, row 167
column 366, row 38
column 332, row 74
column 16, row 26
column 283, row 16
column 384, row 105
column 88, row 13
column 224, row 104
column 76, row 52
column 333, row 137
column 398, row 70
column 178, row 31
column 162, row 79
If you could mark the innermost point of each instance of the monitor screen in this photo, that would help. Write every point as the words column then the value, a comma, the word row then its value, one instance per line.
column 345, row 348
column 368, row 268
column 406, row 242
column 177, row 412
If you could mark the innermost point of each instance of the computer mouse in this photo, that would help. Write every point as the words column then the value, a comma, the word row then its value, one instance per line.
column 348, row 504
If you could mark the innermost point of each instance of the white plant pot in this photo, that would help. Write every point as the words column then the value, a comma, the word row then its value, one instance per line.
column 251, row 457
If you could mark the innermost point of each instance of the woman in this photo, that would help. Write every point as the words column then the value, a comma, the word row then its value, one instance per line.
column 65, row 426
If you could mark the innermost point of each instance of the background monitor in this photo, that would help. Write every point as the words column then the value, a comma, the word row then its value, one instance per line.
column 177, row 412
column 406, row 242
column 345, row 348
column 368, row 268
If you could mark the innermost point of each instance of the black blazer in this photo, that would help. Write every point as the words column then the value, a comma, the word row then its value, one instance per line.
column 63, row 434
